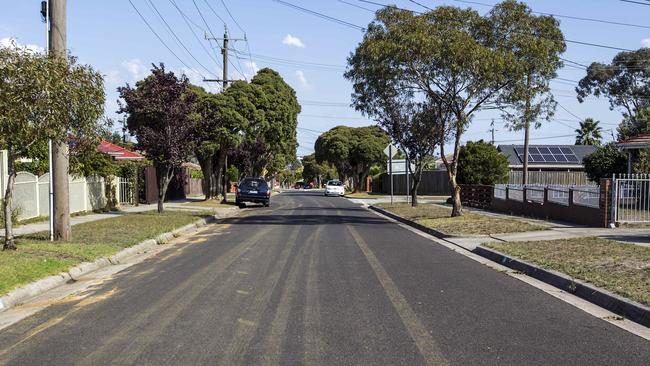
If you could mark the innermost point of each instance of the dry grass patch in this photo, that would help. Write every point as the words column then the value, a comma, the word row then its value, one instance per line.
column 438, row 217
column 618, row 267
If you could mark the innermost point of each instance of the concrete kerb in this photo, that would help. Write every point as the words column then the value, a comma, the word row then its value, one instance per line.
column 624, row 307
column 19, row 295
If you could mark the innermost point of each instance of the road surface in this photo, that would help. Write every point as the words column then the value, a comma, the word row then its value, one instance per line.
column 318, row 281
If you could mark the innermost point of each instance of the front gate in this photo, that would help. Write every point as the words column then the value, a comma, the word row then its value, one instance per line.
column 631, row 198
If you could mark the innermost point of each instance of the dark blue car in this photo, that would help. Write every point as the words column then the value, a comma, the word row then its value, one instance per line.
column 254, row 190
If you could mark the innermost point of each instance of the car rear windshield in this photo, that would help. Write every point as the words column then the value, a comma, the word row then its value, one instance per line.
column 253, row 183
column 334, row 183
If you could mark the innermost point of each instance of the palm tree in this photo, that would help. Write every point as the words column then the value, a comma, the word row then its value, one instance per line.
column 589, row 133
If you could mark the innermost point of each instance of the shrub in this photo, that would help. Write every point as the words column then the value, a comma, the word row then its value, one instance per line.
column 605, row 162
column 481, row 163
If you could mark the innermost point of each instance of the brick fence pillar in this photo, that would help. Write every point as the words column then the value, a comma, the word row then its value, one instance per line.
column 605, row 201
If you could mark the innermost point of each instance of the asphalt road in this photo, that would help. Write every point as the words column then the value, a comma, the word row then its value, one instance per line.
column 318, row 281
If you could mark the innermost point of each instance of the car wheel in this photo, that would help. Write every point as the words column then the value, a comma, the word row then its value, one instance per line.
column 241, row 205
column 267, row 204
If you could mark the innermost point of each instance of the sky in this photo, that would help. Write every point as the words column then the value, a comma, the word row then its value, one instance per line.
column 309, row 52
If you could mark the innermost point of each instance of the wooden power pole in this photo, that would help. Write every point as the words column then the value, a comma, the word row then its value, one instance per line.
column 224, row 81
column 60, row 152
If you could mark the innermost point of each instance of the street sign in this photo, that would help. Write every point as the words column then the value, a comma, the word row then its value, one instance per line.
column 390, row 149
column 398, row 167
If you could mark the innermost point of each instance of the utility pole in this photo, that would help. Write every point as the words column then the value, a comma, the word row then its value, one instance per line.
column 60, row 153
column 224, row 80
column 492, row 130
column 45, row 16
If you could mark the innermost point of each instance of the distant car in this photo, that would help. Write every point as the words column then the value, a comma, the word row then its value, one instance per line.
column 254, row 190
column 334, row 188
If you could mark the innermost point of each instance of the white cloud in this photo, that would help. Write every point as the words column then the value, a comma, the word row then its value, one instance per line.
column 250, row 69
column 11, row 41
column 645, row 42
column 135, row 67
column 290, row 40
column 302, row 79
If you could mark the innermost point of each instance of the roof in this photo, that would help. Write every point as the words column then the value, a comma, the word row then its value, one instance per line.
column 547, row 156
column 118, row 152
column 640, row 141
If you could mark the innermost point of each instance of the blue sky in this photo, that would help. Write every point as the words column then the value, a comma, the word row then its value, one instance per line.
column 111, row 36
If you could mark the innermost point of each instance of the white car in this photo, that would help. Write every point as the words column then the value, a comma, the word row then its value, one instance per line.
column 334, row 188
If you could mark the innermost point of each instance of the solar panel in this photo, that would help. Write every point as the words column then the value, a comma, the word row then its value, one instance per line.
column 548, row 154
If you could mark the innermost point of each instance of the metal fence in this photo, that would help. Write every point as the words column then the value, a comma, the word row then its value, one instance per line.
column 516, row 193
column 631, row 198
column 558, row 194
column 500, row 191
column 588, row 196
column 125, row 189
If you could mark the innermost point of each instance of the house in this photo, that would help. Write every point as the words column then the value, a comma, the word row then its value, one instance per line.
column 630, row 147
column 548, row 164
column 117, row 152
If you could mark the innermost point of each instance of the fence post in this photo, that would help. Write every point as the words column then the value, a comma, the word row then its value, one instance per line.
column 605, row 197
column 4, row 174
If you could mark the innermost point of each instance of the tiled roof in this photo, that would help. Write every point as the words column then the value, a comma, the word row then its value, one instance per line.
column 118, row 152
column 641, row 140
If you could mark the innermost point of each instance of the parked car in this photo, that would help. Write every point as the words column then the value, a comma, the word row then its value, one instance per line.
column 334, row 188
column 254, row 190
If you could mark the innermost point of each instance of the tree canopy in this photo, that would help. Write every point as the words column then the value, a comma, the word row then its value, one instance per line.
column 605, row 162
column 161, row 114
column 352, row 151
column 481, row 163
column 44, row 98
column 589, row 133
column 625, row 82
column 458, row 61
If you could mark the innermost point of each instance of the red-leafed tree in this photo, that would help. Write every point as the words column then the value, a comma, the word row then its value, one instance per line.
column 161, row 114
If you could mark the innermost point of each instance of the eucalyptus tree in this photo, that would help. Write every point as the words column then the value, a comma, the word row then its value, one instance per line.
column 43, row 98
column 161, row 112
column 453, row 59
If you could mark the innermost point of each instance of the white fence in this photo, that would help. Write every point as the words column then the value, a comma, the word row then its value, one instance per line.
column 31, row 194
column 631, row 199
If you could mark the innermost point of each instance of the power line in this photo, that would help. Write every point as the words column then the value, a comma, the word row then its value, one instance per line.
column 389, row 6
column 231, row 17
column 159, row 38
column 189, row 23
column 321, row 15
column 178, row 39
column 593, row 20
column 356, row 6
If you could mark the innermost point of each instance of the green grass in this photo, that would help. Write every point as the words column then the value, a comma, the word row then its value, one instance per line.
column 365, row 195
column 37, row 257
column 438, row 217
column 618, row 267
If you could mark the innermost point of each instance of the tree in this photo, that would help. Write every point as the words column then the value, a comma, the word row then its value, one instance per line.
column 161, row 114
column 536, row 42
column 276, row 131
column 222, row 119
column 634, row 125
column 43, row 98
column 315, row 171
column 589, row 133
column 604, row 162
column 352, row 151
column 456, row 60
column 625, row 81
column 481, row 163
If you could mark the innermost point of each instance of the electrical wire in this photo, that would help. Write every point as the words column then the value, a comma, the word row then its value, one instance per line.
column 320, row 15
column 160, row 38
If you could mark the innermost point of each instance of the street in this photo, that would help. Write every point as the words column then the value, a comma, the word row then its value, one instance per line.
column 320, row 281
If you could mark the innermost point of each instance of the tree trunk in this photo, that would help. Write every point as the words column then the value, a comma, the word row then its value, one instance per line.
column 163, row 176
column 415, row 184
column 457, row 209
column 218, row 172
column 206, row 168
column 9, row 243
